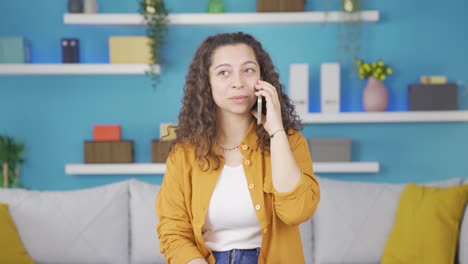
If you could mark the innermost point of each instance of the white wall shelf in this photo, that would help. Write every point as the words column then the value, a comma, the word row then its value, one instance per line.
column 118, row 168
column 346, row 167
column 73, row 69
column 386, row 117
column 226, row 18
column 159, row 168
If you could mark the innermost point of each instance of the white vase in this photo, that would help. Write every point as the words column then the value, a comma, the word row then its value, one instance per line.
column 90, row 6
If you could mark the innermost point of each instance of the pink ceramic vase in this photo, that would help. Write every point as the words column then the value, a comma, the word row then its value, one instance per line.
column 375, row 96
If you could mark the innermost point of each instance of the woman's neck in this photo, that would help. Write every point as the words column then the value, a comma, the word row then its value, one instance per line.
column 231, row 129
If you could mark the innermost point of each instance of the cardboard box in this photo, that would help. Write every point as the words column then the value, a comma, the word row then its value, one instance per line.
column 330, row 149
column 432, row 97
column 280, row 5
column 14, row 50
column 129, row 49
column 107, row 133
column 160, row 150
column 108, row 151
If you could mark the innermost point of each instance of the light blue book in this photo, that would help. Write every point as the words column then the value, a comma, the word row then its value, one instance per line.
column 14, row 50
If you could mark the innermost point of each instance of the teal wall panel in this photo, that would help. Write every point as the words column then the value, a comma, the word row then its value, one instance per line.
column 55, row 114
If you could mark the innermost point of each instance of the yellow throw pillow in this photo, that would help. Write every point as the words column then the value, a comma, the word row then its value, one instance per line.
column 427, row 225
column 11, row 247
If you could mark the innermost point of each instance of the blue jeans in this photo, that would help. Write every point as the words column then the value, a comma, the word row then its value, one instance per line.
column 237, row 256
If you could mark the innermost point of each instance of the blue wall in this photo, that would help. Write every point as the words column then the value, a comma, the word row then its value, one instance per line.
column 55, row 114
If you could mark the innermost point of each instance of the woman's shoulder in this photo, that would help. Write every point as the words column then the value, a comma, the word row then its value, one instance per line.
column 182, row 149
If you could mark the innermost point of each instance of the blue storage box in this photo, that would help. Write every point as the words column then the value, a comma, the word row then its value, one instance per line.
column 14, row 50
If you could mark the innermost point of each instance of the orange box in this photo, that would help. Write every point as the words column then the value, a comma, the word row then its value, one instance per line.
column 106, row 133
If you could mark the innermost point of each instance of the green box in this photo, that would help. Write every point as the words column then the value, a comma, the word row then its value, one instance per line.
column 14, row 50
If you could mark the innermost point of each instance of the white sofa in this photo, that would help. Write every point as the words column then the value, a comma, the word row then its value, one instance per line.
column 115, row 223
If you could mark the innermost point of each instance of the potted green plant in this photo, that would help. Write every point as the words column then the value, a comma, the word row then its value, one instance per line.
column 349, row 30
column 155, row 16
column 11, row 156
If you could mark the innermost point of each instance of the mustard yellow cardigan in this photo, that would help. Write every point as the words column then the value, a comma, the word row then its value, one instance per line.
column 186, row 191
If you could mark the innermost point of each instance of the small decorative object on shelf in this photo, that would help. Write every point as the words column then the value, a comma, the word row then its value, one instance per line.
column 351, row 5
column 129, row 50
column 299, row 86
column 375, row 94
column 432, row 97
column 108, row 151
column 349, row 32
column 330, row 88
column 14, row 50
column 155, row 16
column 280, row 5
column 107, row 146
column 436, row 79
column 11, row 156
column 75, row 6
column 330, row 149
column 215, row 6
column 160, row 148
column 70, row 50
column 107, row 133
column 90, row 6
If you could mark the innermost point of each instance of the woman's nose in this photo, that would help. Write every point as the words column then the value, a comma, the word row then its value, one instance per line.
column 237, row 81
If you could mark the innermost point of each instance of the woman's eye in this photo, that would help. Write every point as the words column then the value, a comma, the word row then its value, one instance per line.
column 249, row 70
column 223, row 73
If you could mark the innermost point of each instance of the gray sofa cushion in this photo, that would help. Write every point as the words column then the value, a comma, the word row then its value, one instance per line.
column 83, row 226
column 353, row 220
column 144, row 242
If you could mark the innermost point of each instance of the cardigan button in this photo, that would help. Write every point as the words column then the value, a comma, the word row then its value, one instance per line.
column 245, row 147
column 257, row 207
column 251, row 186
column 247, row 162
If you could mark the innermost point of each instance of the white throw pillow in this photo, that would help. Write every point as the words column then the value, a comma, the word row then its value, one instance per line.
column 81, row 226
column 144, row 242
column 353, row 219
column 463, row 246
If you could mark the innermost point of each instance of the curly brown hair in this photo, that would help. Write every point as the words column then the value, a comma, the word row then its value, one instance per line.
column 197, row 118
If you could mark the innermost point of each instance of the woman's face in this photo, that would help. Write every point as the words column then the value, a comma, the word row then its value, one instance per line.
column 233, row 74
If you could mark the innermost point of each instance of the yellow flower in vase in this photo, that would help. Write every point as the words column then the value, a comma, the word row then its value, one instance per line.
column 376, row 69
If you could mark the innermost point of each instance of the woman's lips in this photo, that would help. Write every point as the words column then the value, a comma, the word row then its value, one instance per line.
column 239, row 99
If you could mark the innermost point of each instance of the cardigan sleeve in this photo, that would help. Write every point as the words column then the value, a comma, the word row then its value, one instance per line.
column 298, row 205
column 175, row 230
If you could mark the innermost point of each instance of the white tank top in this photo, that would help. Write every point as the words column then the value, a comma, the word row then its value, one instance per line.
column 231, row 222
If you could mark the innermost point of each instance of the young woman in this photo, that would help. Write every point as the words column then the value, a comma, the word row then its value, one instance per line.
column 235, row 191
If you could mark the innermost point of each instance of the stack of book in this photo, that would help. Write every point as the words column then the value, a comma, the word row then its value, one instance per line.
column 107, row 146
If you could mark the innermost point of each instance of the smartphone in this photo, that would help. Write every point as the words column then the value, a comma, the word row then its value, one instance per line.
column 261, row 108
